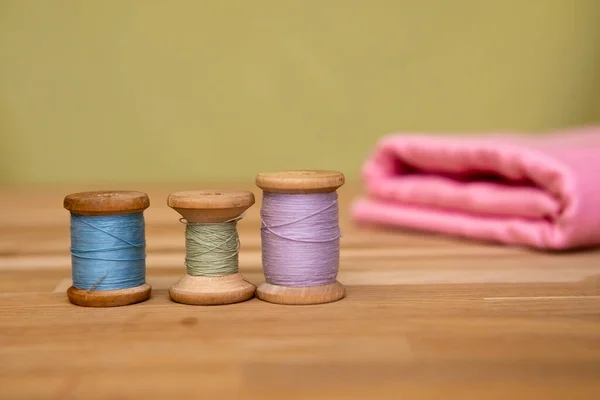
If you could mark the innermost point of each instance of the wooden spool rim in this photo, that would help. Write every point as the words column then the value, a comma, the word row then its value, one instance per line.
column 301, row 295
column 109, row 298
column 107, row 202
column 300, row 181
column 212, row 290
column 210, row 199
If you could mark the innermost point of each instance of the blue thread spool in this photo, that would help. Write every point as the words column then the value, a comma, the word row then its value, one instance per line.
column 108, row 249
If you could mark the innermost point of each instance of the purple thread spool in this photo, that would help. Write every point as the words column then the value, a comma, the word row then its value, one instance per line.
column 300, row 237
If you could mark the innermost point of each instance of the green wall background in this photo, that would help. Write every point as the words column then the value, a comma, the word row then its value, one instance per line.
column 220, row 90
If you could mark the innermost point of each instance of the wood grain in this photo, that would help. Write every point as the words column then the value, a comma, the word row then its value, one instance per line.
column 423, row 317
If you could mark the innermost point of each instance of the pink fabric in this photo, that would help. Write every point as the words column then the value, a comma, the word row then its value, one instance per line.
column 543, row 193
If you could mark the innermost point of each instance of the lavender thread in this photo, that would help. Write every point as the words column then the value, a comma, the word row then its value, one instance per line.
column 301, row 238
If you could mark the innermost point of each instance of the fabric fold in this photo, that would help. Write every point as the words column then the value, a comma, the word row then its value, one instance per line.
column 541, row 192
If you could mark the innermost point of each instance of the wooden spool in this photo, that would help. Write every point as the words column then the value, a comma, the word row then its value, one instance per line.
column 300, row 182
column 107, row 203
column 211, row 206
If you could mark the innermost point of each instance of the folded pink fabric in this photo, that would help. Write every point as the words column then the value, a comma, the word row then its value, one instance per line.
column 541, row 192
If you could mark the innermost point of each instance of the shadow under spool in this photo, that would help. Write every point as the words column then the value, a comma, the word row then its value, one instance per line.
column 300, row 182
column 211, row 206
column 105, row 203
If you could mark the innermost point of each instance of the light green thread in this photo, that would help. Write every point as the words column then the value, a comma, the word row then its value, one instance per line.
column 212, row 249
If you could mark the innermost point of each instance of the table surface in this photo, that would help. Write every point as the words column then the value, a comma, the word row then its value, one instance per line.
column 425, row 316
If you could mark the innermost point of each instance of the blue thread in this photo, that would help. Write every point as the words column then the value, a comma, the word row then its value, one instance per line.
column 108, row 252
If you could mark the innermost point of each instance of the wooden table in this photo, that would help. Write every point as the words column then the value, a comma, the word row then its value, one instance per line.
column 424, row 317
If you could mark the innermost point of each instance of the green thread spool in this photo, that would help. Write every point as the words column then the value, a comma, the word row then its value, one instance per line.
column 212, row 249
column 212, row 246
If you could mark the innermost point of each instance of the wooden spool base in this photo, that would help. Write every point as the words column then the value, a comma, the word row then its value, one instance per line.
column 212, row 290
column 301, row 295
column 109, row 298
